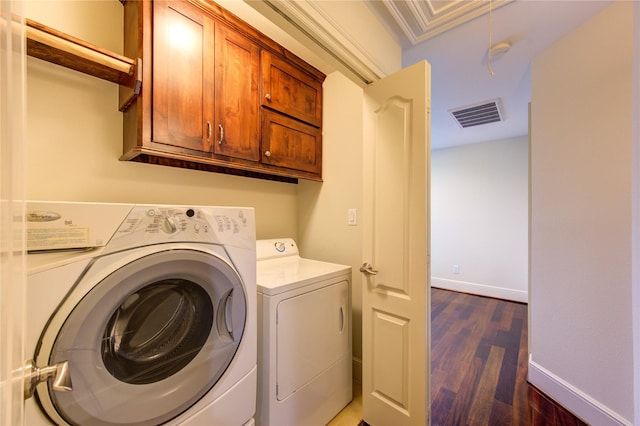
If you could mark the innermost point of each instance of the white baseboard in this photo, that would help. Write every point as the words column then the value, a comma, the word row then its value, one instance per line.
column 480, row 289
column 357, row 369
column 573, row 399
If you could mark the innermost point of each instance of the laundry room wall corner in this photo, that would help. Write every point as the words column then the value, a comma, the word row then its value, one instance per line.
column 322, row 208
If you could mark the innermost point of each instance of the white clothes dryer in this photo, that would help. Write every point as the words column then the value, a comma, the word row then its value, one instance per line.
column 140, row 314
column 304, row 337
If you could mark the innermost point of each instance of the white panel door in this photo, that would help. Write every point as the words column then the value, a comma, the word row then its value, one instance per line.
column 395, row 308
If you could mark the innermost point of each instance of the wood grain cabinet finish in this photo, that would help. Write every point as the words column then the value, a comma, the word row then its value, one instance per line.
column 287, row 89
column 237, row 96
column 183, row 96
column 290, row 143
column 203, row 103
column 291, row 116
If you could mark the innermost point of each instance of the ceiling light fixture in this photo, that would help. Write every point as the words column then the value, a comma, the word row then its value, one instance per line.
column 499, row 49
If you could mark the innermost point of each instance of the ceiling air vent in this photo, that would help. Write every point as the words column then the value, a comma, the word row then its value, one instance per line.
column 475, row 115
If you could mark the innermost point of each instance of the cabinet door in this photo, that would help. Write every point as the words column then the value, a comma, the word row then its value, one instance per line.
column 237, row 107
column 182, row 112
column 290, row 90
column 289, row 143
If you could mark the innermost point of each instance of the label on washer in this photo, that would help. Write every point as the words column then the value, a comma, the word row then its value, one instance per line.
column 60, row 237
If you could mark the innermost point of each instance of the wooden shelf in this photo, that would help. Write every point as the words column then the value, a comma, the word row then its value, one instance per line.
column 62, row 49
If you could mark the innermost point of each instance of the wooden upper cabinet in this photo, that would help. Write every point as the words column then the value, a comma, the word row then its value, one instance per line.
column 290, row 143
column 183, row 76
column 202, row 102
column 288, row 89
column 237, row 98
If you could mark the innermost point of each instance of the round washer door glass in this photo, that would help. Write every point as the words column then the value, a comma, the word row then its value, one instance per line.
column 149, row 340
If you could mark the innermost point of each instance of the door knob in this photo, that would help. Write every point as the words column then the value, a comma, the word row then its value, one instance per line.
column 368, row 269
column 267, row 153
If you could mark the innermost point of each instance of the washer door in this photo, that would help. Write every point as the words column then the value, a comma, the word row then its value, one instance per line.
column 148, row 341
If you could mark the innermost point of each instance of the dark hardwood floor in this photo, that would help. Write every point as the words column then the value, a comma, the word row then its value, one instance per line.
column 478, row 360
column 479, row 366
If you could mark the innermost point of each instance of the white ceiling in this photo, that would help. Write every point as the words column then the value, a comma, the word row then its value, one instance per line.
column 453, row 36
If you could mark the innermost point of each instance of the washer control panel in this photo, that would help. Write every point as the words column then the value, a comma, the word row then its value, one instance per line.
column 68, row 225
column 157, row 224
column 165, row 220
column 57, row 225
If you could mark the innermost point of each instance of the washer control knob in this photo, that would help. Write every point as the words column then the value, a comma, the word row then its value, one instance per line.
column 280, row 246
column 169, row 225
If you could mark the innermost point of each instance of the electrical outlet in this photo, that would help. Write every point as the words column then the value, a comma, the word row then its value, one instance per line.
column 456, row 269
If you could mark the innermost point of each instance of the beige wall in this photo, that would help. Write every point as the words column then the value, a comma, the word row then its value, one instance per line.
column 479, row 218
column 581, row 289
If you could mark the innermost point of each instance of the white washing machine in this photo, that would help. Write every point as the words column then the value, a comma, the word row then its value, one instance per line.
column 304, row 337
column 141, row 314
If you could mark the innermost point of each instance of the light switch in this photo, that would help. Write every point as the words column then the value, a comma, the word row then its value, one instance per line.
column 352, row 217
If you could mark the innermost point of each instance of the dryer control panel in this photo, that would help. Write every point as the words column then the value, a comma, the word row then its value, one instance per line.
column 272, row 248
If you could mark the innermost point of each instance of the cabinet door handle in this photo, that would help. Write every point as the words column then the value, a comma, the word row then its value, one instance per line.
column 208, row 131
column 221, row 134
column 268, row 96
column 267, row 153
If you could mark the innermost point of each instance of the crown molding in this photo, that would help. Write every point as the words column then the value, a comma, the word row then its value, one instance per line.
column 309, row 18
column 421, row 20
